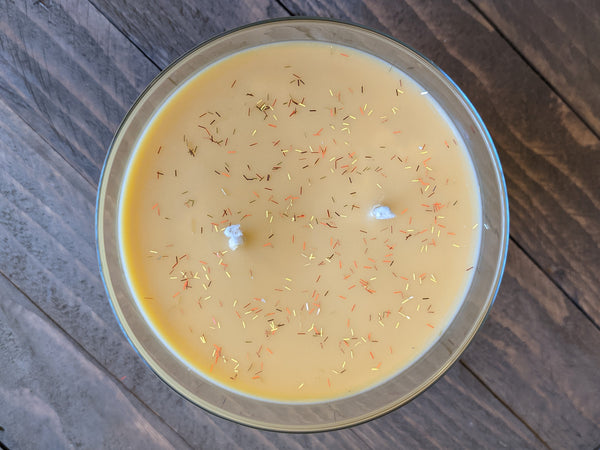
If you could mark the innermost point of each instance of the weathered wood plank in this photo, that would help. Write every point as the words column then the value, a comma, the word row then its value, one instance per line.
column 457, row 412
column 561, row 39
column 550, row 158
column 52, row 396
column 70, row 75
column 541, row 356
column 166, row 30
column 48, row 251
column 46, row 233
column 55, row 267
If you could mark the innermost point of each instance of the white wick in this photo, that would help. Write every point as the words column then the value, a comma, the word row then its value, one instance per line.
column 235, row 235
column 381, row 212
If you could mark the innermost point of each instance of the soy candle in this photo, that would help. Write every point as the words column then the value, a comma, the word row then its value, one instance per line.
column 299, row 222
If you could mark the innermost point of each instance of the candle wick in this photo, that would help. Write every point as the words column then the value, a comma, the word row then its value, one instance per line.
column 381, row 212
column 235, row 235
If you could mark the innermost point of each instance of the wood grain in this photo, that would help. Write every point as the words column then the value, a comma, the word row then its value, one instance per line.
column 166, row 30
column 550, row 158
column 561, row 39
column 72, row 403
column 70, row 75
column 541, row 355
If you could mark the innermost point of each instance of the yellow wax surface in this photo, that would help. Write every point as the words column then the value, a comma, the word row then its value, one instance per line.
column 296, row 143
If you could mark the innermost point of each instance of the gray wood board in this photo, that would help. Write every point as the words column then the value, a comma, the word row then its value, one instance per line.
column 70, row 75
column 560, row 39
column 67, row 77
column 540, row 355
column 53, row 395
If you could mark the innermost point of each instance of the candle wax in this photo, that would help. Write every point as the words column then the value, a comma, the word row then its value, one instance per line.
column 297, row 143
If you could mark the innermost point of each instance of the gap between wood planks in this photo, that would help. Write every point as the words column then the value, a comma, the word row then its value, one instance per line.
column 90, row 357
column 285, row 8
column 83, row 176
column 503, row 403
column 557, row 285
column 109, row 20
column 537, row 72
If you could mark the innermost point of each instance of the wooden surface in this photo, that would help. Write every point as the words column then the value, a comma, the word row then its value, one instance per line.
column 70, row 69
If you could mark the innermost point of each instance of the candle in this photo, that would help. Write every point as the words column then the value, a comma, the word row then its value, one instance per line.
column 299, row 222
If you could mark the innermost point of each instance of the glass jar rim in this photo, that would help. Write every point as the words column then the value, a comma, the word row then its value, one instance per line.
column 293, row 417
